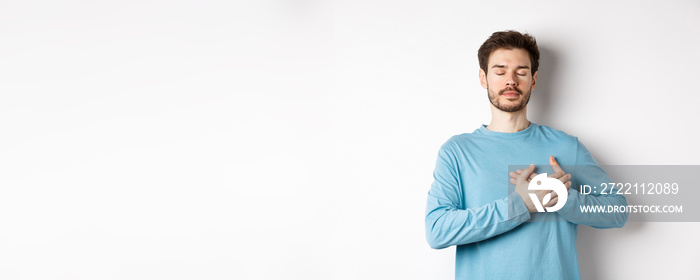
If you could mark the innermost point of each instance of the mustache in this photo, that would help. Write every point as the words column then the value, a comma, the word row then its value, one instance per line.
column 510, row 89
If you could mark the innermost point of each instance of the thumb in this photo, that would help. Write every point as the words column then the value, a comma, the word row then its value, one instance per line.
column 555, row 165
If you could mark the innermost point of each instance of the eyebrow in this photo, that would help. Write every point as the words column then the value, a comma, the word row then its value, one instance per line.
column 503, row 66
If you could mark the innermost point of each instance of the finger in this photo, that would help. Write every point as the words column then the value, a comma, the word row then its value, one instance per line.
column 526, row 173
column 569, row 182
column 565, row 178
column 542, row 193
column 555, row 165
column 520, row 171
column 557, row 174
column 554, row 194
column 513, row 175
column 514, row 178
column 532, row 176
column 552, row 202
column 568, row 185
column 513, row 181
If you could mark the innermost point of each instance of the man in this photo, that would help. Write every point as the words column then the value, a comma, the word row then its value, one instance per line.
column 499, row 233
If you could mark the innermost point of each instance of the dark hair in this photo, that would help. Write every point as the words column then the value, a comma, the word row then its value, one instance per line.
column 509, row 39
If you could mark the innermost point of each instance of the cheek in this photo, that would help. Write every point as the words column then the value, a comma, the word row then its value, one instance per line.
column 527, row 81
column 493, row 80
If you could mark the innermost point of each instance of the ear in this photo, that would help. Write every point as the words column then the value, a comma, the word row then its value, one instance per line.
column 534, row 81
column 482, row 79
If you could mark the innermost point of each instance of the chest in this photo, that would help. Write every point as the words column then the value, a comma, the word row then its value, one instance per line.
column 483, row 171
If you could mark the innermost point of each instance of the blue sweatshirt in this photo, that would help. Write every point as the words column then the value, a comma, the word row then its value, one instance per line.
column 472, row 205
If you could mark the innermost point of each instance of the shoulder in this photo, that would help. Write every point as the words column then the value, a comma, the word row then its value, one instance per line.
column 454, row 145
column 460, row 141
column 462, row 144
column 555, row 134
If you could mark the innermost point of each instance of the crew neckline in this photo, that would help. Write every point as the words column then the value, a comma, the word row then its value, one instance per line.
column 508, row 135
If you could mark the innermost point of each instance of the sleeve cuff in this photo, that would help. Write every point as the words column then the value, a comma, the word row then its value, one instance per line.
column 517, row 211
column 570, row 203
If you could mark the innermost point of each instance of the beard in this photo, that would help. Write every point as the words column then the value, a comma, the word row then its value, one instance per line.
column 494, row 98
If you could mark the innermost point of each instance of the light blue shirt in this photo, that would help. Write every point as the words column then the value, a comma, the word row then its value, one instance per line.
column 472, row 205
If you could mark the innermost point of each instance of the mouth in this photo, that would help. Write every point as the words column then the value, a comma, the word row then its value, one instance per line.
column 510, row 93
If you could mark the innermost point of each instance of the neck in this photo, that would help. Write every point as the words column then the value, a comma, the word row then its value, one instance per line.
column 508, row 122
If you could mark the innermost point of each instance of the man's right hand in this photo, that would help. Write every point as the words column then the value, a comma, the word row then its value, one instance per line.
column 521, row 187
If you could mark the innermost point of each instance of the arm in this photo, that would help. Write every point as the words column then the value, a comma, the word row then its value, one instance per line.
column 448, row 222
column 589, row 173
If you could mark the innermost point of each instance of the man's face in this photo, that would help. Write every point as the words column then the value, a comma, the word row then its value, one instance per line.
column 510, row 80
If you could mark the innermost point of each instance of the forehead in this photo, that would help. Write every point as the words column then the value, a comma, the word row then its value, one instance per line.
column 509, row 57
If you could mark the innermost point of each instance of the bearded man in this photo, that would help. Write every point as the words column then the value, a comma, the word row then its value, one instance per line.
column 502, row 232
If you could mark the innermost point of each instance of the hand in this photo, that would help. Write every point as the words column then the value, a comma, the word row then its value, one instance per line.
column 521, row 179
column 521, row 187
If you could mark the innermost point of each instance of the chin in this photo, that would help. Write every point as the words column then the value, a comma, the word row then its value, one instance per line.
column 513, row 100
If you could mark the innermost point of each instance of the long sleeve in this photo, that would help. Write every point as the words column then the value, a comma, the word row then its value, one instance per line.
column 588, row 172
column 448, row 222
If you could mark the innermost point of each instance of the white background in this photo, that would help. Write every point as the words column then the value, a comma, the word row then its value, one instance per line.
column 296, row 139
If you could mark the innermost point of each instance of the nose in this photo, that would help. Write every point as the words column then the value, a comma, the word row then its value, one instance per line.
column 511, row 81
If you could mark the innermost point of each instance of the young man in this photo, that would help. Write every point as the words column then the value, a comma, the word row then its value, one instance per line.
column 499, row 233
